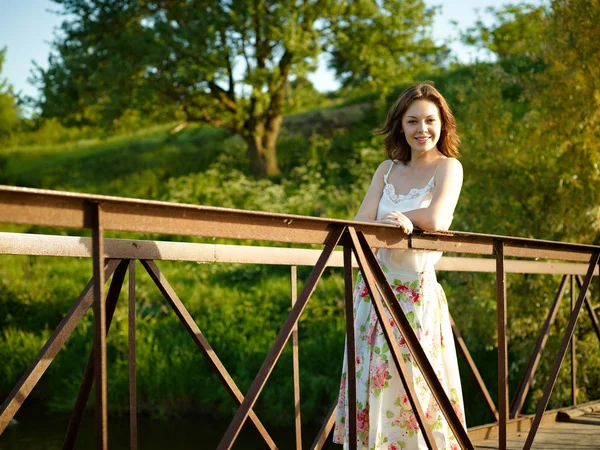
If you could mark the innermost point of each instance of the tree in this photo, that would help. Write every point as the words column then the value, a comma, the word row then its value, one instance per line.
column 517, row 30
column 8, row 108
column 381, row 47
column 549, row 65
column 225, row 63
column 568, row 98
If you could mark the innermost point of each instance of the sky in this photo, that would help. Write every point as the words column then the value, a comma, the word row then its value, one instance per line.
column 27, row 27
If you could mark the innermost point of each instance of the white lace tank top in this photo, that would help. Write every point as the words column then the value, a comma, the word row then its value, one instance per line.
column 414, row 260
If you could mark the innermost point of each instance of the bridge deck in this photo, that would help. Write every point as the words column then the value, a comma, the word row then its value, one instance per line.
column 576, row 428
column 555, row 436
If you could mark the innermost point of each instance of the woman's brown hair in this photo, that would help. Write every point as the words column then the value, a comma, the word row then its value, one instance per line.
column 395, row 142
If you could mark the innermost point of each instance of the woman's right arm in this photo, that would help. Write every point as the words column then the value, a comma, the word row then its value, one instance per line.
column 368, row 208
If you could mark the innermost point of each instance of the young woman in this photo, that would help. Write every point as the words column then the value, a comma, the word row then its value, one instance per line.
column 418, row 186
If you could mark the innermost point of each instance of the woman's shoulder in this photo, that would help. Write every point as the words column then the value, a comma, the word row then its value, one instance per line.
column 449, row 170
column 386, row 163
column 449, row 164
column 383, row 168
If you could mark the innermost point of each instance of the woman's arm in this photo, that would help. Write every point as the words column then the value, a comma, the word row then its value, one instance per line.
column 448, row 183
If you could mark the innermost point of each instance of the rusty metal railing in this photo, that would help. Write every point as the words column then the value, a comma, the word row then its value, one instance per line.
column 100, row 213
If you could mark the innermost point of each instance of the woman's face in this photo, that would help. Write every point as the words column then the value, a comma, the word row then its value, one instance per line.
column 422, row 125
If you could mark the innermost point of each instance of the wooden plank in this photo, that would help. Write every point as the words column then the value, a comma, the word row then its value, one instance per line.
column 567, row 415
column 518, row 445
column 588, row 420
column 557, row 435
column 574, row 428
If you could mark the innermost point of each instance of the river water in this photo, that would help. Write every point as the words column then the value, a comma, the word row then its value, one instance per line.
column 37, row 430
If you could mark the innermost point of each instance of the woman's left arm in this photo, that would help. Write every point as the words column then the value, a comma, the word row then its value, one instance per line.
column 438, row 215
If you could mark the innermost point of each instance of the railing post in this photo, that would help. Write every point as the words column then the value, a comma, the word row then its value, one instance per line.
column 573, row 349
column 88, row 375
column 350, row 347
column 296, row 363
column 502, row 345
column 101, row 415
column 132, row 359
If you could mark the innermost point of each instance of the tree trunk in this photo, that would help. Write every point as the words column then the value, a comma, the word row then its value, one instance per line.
column 262, row 151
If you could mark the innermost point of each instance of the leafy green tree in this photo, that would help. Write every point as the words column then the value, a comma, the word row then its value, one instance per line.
column 379, row 45
column 567, row 97
column 8, row 109
column 516, row 30
column 224, row 63
column 550, row 65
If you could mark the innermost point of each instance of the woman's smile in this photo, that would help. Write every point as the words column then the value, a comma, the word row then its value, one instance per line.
column 422, row 125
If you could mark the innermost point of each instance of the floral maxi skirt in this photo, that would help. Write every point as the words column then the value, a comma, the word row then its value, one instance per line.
column 385, row 419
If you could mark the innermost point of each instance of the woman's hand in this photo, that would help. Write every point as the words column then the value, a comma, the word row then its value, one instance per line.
column 398, row 219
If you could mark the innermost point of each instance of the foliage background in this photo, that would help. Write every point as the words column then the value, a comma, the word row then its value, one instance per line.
column 529, row 125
